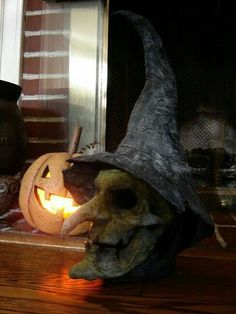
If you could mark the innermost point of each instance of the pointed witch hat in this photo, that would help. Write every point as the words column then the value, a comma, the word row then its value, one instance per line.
column 151, row 149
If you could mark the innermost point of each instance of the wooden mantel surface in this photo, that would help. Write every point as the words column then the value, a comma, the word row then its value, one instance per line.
column 34, row 279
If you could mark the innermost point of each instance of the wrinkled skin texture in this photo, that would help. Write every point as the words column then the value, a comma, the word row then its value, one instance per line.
column 128, row 219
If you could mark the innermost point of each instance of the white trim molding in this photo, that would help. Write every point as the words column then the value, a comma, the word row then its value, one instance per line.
column 11, row 22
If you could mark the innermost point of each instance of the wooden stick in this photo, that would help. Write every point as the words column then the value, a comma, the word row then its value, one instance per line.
column 74, row 143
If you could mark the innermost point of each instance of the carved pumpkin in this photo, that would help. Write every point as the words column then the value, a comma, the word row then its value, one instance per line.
column 43, row 194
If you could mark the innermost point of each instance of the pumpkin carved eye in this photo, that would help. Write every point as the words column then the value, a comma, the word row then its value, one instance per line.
column 46, row 173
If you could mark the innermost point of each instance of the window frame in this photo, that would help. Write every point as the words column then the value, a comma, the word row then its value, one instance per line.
column 11, row 36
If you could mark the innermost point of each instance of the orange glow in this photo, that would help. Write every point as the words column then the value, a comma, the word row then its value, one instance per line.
column 57, row 204
column 77, row 291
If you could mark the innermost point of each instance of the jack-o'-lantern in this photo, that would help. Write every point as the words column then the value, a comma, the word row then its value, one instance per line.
column 44, row 200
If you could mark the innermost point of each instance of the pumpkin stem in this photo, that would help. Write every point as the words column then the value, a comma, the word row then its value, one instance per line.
column 74, row 143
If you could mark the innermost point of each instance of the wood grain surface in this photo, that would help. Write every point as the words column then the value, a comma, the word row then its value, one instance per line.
column 34, row 279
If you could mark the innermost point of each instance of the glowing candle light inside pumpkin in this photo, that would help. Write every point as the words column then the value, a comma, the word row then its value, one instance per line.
column 44, row 200
column 57, row 204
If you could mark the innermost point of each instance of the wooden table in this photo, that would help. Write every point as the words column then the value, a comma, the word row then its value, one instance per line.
column 34, row 279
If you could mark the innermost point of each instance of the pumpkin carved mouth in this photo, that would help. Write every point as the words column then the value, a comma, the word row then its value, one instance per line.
column 44, row 200
column 56, row 204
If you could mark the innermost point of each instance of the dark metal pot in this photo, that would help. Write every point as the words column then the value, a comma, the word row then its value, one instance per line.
column 13, row 139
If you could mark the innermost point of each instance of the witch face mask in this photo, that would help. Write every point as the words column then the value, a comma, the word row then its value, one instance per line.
column 128, row 219
column 145, row 210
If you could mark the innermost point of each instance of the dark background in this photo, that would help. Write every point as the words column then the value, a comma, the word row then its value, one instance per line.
column 200, row 42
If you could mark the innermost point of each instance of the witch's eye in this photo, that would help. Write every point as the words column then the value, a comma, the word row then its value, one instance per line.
column 3, row 187
column 46, row 173
column 124, row 199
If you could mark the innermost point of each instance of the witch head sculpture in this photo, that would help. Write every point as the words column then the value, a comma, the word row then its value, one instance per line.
column 140, row 199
